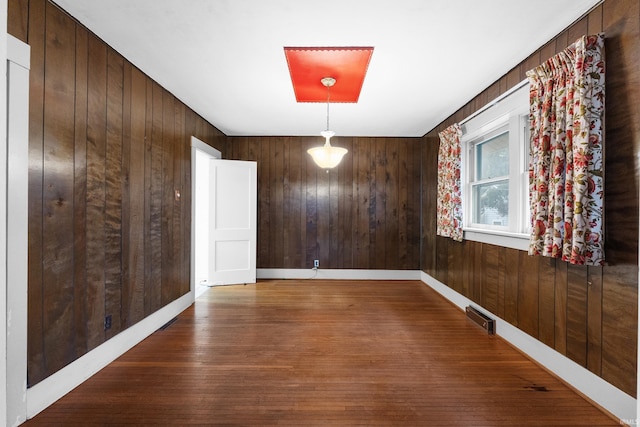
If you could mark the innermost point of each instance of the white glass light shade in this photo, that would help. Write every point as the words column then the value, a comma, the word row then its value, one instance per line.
column 327, row 157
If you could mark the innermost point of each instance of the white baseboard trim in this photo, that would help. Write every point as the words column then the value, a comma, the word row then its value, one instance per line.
column 337, row 274
column 610, row 398
column 47, row 391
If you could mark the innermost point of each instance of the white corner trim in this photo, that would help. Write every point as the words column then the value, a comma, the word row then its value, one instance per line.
column 612, row 399
column 203, row 146
column 336, row 274
column 47, row 391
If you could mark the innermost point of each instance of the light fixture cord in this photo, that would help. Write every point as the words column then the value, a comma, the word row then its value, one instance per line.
column 328, row 99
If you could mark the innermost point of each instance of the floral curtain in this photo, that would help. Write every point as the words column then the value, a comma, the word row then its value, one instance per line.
column 449, row 202
column 566, row 155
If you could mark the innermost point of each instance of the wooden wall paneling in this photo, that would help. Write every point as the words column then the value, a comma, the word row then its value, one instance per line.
column 377, row 220
column 493, row 91
column 455, row 262
column 528, row 294
column 404, row 189
column 35, row 334
column 334, row 212
column 286, row 200
column 490, row 278
column 181, row 211
column 468, row 268
column 240, row 148
column 547, row 51
column 291, row 211
column 594, row 319
column 148, row 157
column 167, row 198
column 276, row 235
column 99, row 184
column 546, row 300
column 622, row 121
column 323, row 216
column 113, row 200
column 577, row 314
column 578, row 29
column 502, row 281
column 275, row 213
column 511, row 305
column 362, row 150
column 126, row 215
column 154, row 288
column 442, row 258
column 530, row 63
column 619, row 317
column 595, row 21
column 300, row 212
column 178, row 285
column 253, row 153
column 560, row 311
column 429, row 167
column 96, row 150
column 426, row 234
column 264, row 217
column 475, row 286
column 346, row 204
column 473, row 279
column 187, row 197
column 414, row 201
column 513, row 77
column 18, row 19
column 200, row 130
column 305, row 164
column 58, row 174
column 311, row 209
column 392, row 205
column 134, row 301
column 80, row 190
column 562, row 42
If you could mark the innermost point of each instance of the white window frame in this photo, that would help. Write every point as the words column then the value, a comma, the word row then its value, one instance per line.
column 509, row 111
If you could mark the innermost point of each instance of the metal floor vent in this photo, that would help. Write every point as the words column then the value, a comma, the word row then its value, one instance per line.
column 169, row 323
column 481, row 319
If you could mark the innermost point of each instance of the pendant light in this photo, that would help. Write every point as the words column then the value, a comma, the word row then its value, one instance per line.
column 327, row 157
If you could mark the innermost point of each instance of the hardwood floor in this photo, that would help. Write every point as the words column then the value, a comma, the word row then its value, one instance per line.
column 323, row 353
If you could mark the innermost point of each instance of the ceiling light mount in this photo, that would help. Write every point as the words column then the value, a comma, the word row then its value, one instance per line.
column 328, row 81
column 327, row 157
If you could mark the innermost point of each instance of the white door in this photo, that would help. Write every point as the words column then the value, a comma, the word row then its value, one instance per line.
column 232, row 227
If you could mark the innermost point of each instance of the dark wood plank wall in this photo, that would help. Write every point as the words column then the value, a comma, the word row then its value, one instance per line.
column 108, row 150
column 588, row 314
column 364, row 214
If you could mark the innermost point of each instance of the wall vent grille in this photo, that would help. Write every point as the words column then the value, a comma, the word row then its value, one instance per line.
column 481, row 319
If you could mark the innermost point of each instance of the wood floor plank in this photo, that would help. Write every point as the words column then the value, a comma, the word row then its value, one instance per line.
column 320, row 353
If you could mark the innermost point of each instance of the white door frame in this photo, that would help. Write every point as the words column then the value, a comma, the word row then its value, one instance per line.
column 14, row 213
column 197, row 145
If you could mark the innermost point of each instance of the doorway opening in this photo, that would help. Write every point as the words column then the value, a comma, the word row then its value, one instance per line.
column 201, row 156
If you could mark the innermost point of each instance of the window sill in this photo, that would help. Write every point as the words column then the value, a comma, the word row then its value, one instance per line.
column 499, row 238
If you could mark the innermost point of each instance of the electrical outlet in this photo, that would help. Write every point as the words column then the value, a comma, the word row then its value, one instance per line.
column 316, row 263
column 107, row 322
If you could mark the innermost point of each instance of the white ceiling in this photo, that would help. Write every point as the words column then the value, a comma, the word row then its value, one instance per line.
column 225, row 58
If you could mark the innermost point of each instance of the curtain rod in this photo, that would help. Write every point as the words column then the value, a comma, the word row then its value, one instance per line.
column 495, row 101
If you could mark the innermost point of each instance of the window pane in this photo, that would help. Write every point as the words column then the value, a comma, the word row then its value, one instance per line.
column 491, row 203
column 493, row 157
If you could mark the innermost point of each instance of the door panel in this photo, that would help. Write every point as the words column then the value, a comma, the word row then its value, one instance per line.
column 232, row 239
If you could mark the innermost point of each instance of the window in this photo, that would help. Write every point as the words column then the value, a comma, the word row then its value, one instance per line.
column 495, row 171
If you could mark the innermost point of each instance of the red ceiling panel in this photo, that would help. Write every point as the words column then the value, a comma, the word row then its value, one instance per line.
column 308, row 65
